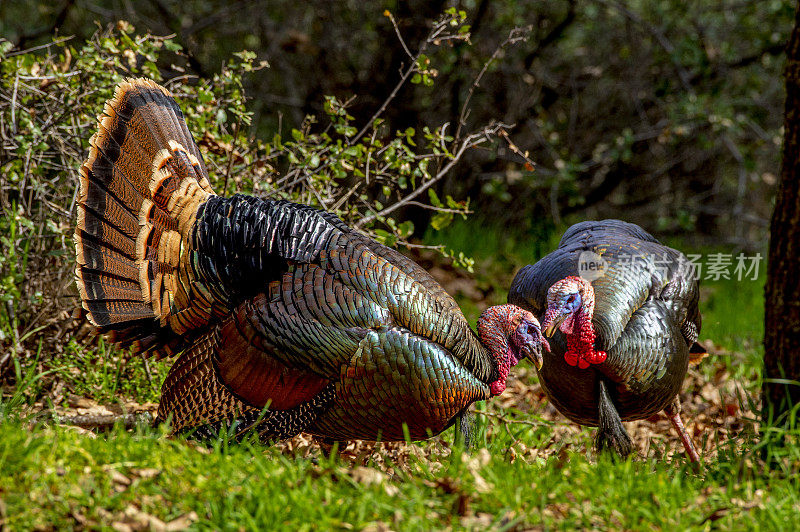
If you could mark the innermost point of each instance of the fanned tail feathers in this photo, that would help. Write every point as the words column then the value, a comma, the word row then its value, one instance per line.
column 140, row 190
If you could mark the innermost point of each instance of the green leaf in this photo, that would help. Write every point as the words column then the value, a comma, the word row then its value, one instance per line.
column 441, row 220
column 405, row 229
column 384, row 237
column 172, row 46
column 434, row 198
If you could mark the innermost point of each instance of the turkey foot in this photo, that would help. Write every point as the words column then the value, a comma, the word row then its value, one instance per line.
column 673, row 411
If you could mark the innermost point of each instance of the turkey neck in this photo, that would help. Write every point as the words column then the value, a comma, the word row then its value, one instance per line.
column 493, row 333
column 503, row 368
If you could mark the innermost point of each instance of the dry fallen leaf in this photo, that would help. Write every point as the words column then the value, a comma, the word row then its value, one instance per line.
column 367, row 475
column 145, row 472
column 134, row 519
column 119, row 478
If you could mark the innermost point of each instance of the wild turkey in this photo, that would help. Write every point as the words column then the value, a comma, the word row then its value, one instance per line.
column 621, row 344
column 284, row 318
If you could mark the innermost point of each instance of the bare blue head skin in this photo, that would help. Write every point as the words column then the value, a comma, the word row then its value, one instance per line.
column 570, row 308
column 563, row 302
column 527, row 341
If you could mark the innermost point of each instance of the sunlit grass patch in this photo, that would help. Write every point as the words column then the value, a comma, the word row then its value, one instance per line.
column 59, row 478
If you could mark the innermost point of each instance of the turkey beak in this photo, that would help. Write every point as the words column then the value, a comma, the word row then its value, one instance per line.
column 552, row 323
column 533, row 349
column 534, row 354
column 536, row 358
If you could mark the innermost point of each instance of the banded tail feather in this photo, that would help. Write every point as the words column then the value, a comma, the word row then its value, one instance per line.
column 140, row 190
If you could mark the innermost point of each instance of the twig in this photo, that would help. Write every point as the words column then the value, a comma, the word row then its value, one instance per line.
column 514, row 36
column 231, row 155
column 412, row 245
column 515, row 421
column 49, row 78
column 660, row 37
column 107, row 421
column 14, row 104
column 345, row 197
column 146, row 369
column 513, row 147
column 48, row 45
column 469, row 142
column 177, row 79
column 369, row 155
column 433, row 37
column 4, row 360
column 399, row 37
column 438, row 209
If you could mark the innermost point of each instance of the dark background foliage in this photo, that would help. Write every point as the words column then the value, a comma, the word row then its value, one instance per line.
column 665, row 113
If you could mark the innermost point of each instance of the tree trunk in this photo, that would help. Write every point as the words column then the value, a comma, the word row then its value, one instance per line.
column 782, row 316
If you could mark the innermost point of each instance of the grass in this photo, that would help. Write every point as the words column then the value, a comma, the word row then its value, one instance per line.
column 112, row 374
column 51, row 477
column 59, row 478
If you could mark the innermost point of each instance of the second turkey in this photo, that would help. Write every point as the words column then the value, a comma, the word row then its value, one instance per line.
column 622, row 311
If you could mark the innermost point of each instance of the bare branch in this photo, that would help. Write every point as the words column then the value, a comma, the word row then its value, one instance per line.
column 406, row 74
column 469, row 142
column 660, row 37
column 438, row 209
column 399, row 37
column 514, row 36
column 40, row 47
column 432, row 38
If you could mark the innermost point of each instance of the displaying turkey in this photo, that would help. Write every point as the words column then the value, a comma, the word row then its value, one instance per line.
column 284, row 318
column 621, row 344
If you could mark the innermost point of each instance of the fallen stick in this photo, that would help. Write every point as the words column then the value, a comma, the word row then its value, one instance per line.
column 107, row 421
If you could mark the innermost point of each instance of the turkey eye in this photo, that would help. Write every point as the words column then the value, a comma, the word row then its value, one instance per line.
column 571, row 298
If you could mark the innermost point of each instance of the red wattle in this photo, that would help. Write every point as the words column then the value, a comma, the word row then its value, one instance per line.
column 499, row 386
column 580, row 344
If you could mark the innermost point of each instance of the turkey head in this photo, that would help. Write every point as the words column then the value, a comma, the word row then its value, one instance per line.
column 510, row 334
column 570, row 308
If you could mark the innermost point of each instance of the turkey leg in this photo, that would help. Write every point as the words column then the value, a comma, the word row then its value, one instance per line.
column 673, row 411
